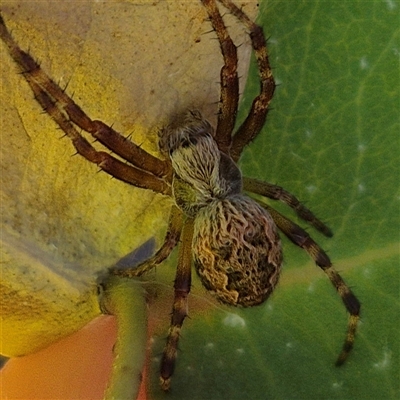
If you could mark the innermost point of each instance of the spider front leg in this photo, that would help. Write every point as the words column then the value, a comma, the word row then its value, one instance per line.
column 255, row 120
column 145, row 171
column 302, row 239
column 180, row 306
column 105, row 161
column 229, row 86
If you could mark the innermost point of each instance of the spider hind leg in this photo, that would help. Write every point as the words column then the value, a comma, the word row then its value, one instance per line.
column 182, row 285
column 170, row 242
column 276, row 192
column 177, row 229
column 302, row 239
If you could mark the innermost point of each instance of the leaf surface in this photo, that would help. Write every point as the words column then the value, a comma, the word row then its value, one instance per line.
column 332, row 139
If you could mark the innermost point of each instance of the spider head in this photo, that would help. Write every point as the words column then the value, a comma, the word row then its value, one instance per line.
column 201, row 171
column 183, row 131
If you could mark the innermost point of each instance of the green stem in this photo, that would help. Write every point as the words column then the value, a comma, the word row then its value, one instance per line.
column 124, row 298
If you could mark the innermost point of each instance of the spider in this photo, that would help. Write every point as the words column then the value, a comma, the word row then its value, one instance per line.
column 219, row 218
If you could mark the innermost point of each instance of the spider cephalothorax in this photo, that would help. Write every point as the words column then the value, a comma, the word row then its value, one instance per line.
column 232, row 238
column 202, row 173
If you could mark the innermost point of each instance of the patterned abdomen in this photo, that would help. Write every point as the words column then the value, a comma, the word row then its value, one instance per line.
column 237, row 251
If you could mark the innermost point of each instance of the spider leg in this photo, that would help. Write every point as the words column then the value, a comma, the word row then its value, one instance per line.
column 278, row 193
column 171, row 240
column 180, row 306
column 105, row 161
column 302, row 239
column 229, row 95
column 40, row 81
column 252, row 125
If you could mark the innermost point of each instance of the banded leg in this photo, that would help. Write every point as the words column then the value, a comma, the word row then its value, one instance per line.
column 278, row 193
column 302, row 239
column 40, row 81
column 180, row 307
column 229, row 96
column 252, row 125
column 105, row 161
column 171, row 240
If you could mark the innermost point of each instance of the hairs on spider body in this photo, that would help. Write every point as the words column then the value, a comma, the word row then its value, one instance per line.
column 236, row 247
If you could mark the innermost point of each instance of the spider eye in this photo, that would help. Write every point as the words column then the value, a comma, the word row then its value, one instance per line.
column 185, row 143
column 193, row 139
column 188, row 140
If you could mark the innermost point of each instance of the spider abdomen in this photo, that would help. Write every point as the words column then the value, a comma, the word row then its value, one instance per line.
column 237, row 251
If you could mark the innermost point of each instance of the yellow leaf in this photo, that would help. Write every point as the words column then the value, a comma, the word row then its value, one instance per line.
column 130, row 64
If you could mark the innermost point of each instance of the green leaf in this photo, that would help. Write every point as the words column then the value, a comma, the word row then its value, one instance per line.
column 332, row 140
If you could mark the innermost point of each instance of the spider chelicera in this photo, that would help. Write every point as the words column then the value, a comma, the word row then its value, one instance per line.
column 231, row 237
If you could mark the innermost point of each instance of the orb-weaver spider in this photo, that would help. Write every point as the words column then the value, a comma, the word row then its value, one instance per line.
column 232, row 238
